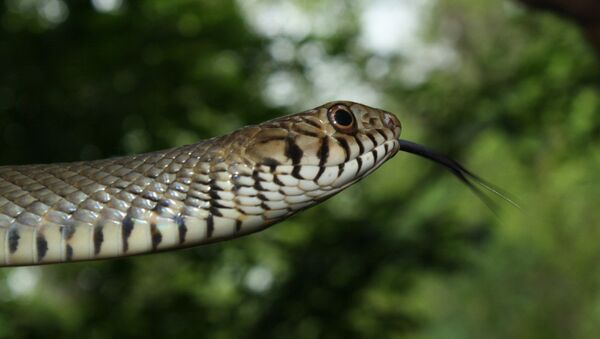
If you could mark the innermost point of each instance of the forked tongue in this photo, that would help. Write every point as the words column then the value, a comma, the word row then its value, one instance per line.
column 474, row 182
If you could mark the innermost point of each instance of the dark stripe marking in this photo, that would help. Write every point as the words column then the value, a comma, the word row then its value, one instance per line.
column 375, row 155
column 272, row 163
column 319, row 174
column 98, row 239
column 214, row 210
column 382, row 133
column 373, row 139
column 69, row 253
column 341, row 169
column 68, row 231
column 292, row 151
column 214, row 194
column 262, row 197
column 216, row 204
column 345, row 146
column 13, row 240
column 277, row 181
column 296, row 172
column 323, row 152
column 210, row 226
column 42, row 246
column 361, row 147
column 238, row 225
column 181, row 227
column 126, row 231
column 155, row 235
column 160, row 205
column 359, row 163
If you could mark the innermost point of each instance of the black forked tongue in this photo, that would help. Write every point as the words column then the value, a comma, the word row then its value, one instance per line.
column 474, row 182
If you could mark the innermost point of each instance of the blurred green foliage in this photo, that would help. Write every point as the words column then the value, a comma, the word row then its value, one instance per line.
column 407, row 252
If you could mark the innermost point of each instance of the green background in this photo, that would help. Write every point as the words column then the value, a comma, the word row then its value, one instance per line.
column 408, row 252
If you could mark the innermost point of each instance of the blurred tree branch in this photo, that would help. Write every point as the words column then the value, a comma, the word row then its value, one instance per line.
column 585, row 12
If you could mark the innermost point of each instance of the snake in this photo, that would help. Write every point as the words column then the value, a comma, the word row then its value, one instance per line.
column 214, row 190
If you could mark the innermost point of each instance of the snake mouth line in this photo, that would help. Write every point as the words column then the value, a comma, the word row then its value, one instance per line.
column 474, row 182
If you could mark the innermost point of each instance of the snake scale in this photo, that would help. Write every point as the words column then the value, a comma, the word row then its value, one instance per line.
column 216, row 189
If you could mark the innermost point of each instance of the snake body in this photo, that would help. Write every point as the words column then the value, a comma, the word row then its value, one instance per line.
column 213, row 190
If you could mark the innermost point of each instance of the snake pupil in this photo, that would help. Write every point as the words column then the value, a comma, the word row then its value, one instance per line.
column 343, row 118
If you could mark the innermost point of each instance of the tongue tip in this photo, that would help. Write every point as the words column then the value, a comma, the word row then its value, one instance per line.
column 464, row 175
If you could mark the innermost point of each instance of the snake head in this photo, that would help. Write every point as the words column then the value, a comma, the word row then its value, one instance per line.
column 332, row 145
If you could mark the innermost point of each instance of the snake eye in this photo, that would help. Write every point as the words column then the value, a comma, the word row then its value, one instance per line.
column 341, row 118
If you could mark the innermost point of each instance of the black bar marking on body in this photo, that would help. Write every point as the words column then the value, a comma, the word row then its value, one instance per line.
column 42, row 246
column 181, row 227
column 257, row 180
column 214, row 194
column 296, row 172
column 319, row 174
column 210, row 226
column 262, row 197
column 375, row 155
column 323, row 152
column 272, row 163
column 69, row 253
column 13, row 239
column 160, row 205
column 265, row 206
column 359, row 163
column 382, row 133
column 98, row 238
column 126, row 231
column 345, row 146
column 373, row 139
column 361, row 147
column 155, row 235
column 238, row 225
column 277, row 181
column 67, row 231
column 214, row 210
column 214, row 186
column 293, row 151
column 341, row 169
